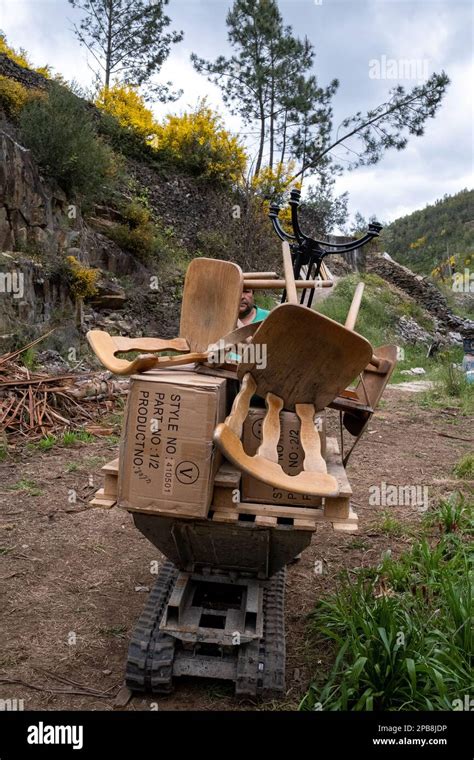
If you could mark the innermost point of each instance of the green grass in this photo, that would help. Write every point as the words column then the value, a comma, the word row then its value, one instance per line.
column 91, row 463
column 3, row 453
column 28, row 486
column 450, row 389
column 401, row 632
column 70, row 437
column 44, row 444
column 29, row 358
column 465, row 467
column 390, row 525
column 380, row 310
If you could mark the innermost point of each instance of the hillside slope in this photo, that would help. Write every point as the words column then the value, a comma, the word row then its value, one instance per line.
column 425, row 238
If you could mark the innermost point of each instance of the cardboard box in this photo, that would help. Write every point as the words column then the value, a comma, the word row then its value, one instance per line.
column 167, row 457
column 290, row 457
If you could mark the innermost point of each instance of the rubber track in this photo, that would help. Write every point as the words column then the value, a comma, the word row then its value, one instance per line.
column 261, row 663
column 149, row 649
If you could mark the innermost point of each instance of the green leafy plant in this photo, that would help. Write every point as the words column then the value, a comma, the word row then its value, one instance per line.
column 402, row 635
column 465, row 467
column 61, row 134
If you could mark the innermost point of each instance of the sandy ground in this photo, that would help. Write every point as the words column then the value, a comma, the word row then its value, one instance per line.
column 69, row 574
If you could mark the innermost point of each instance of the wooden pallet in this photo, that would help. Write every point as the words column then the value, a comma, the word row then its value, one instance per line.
column 275, row 516
column 106, row 497
column 336, row 510
column 226, row 505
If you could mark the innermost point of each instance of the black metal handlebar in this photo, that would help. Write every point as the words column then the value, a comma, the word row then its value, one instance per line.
column 308, row 251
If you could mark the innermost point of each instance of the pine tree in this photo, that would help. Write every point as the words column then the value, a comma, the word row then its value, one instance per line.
column 265, row 81
column 127, row 40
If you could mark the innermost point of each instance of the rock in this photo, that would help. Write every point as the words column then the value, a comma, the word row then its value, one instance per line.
column 411, row 332
column 53, row 362
column 109, row 295
column 455, row 337
column 413, row 371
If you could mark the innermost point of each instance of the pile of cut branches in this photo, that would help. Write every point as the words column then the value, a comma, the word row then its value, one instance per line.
column 36, row 404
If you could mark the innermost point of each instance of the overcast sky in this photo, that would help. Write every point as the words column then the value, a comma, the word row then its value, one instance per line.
column 348, row 35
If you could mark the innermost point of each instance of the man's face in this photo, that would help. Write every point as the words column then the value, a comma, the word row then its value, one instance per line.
column 246, row 303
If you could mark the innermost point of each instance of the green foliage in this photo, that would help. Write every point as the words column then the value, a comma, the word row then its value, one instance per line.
column 27, row 486
column 267, row 81
column 29, row 358
column 390, row 525
column 70, row 437
column 61, row 135
column 125, row 140
column 44, row 444
column 447, row 225
column 143, row 236
column 402, row 633
column 465, row 467
column 380, row 310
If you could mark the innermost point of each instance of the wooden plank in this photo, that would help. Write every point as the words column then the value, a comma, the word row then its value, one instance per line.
column 351, row 525
column 273, row 510
column 225, row 517
column 111, row 467
column 223, row 497
column 102, row 500
column 300, row 524
column 266, row 520
column 187, row 511
column 110, row 485
column 338, row 507
column 260, row 276
column 227, row 476
column 291, row 295
column 264, row 284
column 336, row 469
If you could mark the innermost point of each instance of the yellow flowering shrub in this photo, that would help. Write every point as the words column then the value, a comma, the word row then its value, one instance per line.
column 273, row 185
column 83, row 279
column 418, row 243
column 13, row 96
column 128, row 107
column 21, row 57
column 198, row 142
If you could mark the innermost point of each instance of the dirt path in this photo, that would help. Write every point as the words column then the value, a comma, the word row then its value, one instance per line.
column 69, row 574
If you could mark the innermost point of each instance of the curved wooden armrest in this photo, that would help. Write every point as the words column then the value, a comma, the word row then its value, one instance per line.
column 106, row 347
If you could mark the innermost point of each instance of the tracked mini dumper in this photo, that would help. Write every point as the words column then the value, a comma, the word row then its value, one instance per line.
column 216, row 609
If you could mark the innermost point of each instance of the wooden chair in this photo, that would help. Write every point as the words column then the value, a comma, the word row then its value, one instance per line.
column 310, row 359
column 210, row 310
